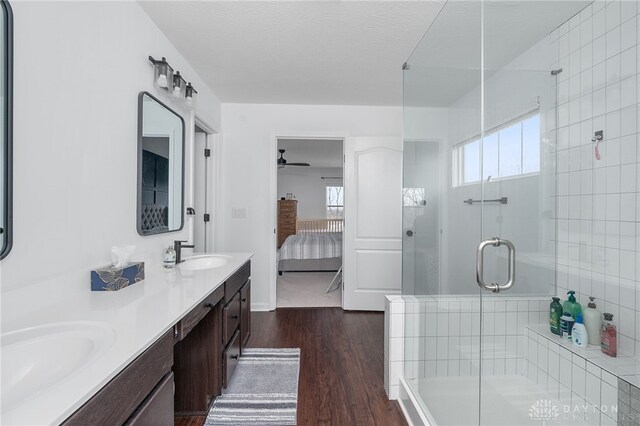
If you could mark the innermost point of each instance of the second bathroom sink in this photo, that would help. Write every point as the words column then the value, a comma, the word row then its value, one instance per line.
column 36, row 358
column 205, row 261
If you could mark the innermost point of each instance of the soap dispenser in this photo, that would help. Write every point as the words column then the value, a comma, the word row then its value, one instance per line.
column 570, row 305
column 170, row 257
column 593, row 322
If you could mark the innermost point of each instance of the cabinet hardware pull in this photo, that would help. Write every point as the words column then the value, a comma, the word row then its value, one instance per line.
column 244, row 299
column 208, row 305
column 234, row 356
column 234, row 316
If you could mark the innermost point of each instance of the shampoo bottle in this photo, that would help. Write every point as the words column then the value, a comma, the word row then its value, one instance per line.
column 579, row 333
column 555, row 313
column 593, row 322
column 609, row 345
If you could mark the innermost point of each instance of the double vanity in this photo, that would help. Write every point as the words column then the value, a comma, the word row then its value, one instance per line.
column 165, row 346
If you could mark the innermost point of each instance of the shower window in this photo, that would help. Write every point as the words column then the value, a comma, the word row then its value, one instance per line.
column 510, row 150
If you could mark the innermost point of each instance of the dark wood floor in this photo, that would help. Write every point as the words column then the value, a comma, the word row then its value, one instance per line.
column 341, row 366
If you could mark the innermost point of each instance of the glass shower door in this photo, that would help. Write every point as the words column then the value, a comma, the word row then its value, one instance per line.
column 517, row 256
column 442, row 103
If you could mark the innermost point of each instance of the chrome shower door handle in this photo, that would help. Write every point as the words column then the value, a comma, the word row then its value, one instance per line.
column 495, row 287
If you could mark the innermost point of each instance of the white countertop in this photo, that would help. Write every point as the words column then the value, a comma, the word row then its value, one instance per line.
column 138, row 314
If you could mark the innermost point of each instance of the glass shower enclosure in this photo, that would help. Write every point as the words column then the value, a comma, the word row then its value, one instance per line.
column 480, row 186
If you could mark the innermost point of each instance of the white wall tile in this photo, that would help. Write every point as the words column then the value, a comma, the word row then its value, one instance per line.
column 612, row 15
column 628, row 33
column 612, row 40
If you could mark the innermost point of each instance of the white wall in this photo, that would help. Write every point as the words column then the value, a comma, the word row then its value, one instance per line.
column 79, row 67
column 248, row 149
column 308, row 187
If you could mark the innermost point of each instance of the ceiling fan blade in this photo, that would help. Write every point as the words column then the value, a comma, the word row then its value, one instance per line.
column 282, row 162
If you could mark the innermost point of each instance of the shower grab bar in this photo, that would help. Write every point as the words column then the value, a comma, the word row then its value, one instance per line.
column 495, row 287
column 502, row 200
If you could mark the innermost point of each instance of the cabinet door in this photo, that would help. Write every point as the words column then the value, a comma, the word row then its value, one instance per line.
column 245, row 314
column 231, row 356
column 230, row 318
column 157, row 409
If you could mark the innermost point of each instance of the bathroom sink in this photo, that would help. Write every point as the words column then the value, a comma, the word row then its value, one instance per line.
column 36, row 358
column 205, row 261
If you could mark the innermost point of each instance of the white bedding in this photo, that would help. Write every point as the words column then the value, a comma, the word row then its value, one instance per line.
column 311, row 246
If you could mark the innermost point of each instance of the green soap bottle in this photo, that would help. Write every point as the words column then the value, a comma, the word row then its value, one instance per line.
column 571, row 306
column 555, row 312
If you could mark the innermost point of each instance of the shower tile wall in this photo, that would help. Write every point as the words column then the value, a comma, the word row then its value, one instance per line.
column 428, row 336
column 598, row 207
column 573, row 380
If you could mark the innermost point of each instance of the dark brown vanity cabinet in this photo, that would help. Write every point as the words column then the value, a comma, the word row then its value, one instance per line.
column 236, row 319
column 209, row 340
column 184, row 370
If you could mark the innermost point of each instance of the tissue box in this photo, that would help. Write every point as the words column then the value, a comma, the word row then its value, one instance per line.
column 113, row 279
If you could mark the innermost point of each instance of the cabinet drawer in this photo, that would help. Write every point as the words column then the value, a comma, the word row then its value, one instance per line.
column 234, row 282
column 230, row 358
column 157, row 408
column 186, row 324
column 230, row 318
column 118, row 399
column 245, row 314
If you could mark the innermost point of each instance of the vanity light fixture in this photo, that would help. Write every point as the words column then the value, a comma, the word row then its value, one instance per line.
column 165, row 78
column 179, row 84
column 162, row 72
column 190, row 95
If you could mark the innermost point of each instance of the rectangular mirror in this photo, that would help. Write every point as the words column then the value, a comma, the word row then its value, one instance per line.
column 6, row 111
column 160, row 167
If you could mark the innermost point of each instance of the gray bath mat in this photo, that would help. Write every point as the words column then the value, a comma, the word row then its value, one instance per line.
column 263, row 390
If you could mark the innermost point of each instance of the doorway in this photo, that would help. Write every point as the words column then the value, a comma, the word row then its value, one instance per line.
column 309, row 222
column 203, row 188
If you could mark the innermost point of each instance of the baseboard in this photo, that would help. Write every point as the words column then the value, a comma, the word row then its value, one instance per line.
column 260, row 307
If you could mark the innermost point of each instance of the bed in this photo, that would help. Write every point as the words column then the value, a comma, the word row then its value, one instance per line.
column 316, row 246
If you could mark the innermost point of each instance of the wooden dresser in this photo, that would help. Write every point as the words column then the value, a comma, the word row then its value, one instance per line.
column 287, row 218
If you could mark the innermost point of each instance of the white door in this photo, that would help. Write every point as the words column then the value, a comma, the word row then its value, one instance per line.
column 372, row 257
column 200, row 196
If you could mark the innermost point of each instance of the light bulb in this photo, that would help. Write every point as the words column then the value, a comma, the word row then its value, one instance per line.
column 162, row 80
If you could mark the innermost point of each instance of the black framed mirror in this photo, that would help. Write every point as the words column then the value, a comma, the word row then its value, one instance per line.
column 161, row 133
column 6, row 130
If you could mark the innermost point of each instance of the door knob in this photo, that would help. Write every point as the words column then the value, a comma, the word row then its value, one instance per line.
column 409, row 233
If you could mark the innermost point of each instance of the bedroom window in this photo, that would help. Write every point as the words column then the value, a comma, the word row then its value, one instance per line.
column 508, row 151
column 335, row 202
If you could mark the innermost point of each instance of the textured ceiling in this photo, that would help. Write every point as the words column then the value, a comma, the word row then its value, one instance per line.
column 298, row 52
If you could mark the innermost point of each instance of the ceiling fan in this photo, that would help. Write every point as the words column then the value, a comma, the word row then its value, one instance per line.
column 282, row 162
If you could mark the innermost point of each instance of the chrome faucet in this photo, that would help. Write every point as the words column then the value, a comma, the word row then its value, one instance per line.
column 178, row 246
